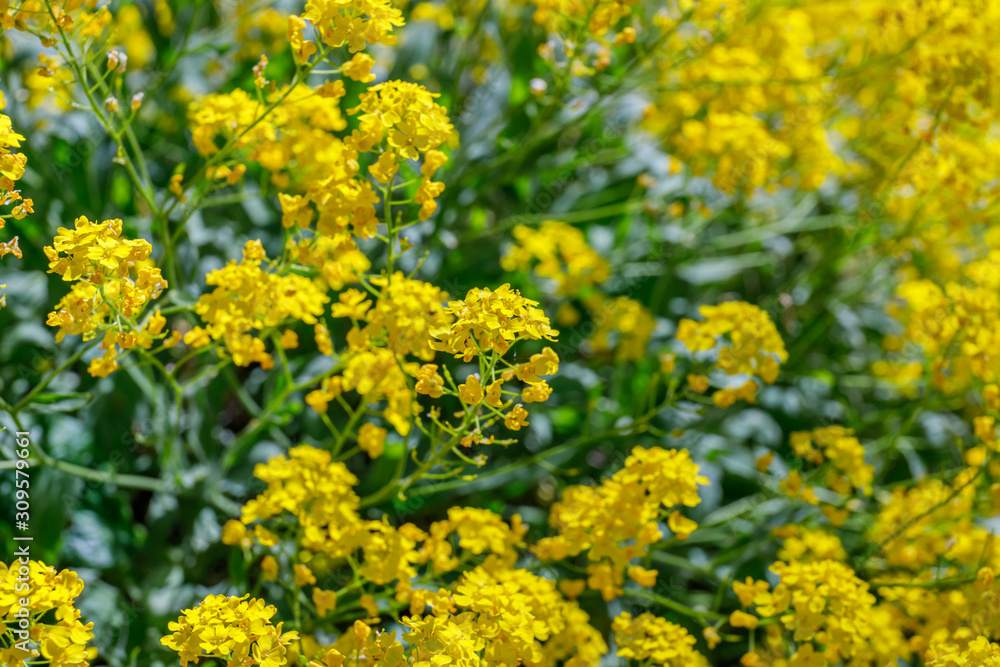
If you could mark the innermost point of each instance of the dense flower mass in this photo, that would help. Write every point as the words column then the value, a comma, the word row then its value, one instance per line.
column 981, row 651
column 750, row 345
column 39, row 619
column 652, row 640
column 559, row 252
column 491, row 320
column 953, row 324
column 917, row 526
column 11, row 170
column 829, row 612
column 616, row 521
column 235, row 629
column 248, row 300
column 847, row 470
column 473, row 616
column 113, row 281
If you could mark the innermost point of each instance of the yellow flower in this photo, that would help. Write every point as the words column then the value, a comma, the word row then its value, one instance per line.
column 471, row 392
column 628, row 322
column 810, row 544
column 824, row 601
column 754, row 346
column 491, row 320
column 230, row 628
column 235, row 533
column 404, row 115
column 668, row 362
column 647, row 638
column 748, row 590
column 337, row 257
column 359, row 68
column 371, row 439
column 322, row 337
column 493, row 396
column 113, row 282
column 979, row 653
column 642, row 576
column 845, row 453
column 536, row 393
column 325, row 601
column 587, row 518
column 698, row 383
column 48, row 597
column 559, row 252
column 724, row 398
column 367, row 603
column 516, row 418
column 289, row 340
column 681, row 526
column 303, row 575
column 572, row 588
column 248, row 299
column 405, row 314
column 429, row 382
column 269, row 568
column 356, row 24
column 739, row 619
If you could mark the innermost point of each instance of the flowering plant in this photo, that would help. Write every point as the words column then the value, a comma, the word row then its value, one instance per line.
column 530, row 332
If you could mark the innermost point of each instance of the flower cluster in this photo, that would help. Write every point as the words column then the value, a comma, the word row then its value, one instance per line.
column 288, row 135
column 11, row 169
column 491, row 616
column 51, row 631
column 754, row 132
column 355, row 24
column 296, row 133
column 383, row 334
column 506, row 615
column 313, row 488
column 491, row 320
column 404, row 314
column 954, row 326
column 773, row 98
column 599, row 23
column 624, row 325
column 113, row 281
column 246, row 300
column 617, row 520
column 318, row 493
column 560, row 253
column 236, row 629
column 980, row 653
column 376, row 374
column 918, row 525
column 336, row 258
column 652, row 640
column 838, row 446
column 829, row 610
column 513, row 617
column 12, row 164
column 808, row 544
column 753, row 347
column 406, row 118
